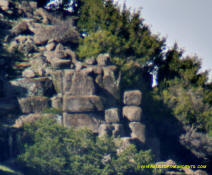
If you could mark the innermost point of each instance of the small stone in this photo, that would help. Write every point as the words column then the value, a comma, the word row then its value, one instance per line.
column 60, row 63
column 118, row 130
column 138, row 131
column 28, row 73
column 57, row 102
column 33, row 4
column 103, row 59
column 78, row 66
column 4, row 5
column 132, row 97
column 112, row 115
column 50, row 46
column 132, row 113
column 105, row 129
column 90, row 61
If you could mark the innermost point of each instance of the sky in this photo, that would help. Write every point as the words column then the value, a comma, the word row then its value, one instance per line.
column 187, row 22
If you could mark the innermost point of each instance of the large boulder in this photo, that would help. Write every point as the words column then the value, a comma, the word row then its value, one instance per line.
column 91, row 121
column 34, row 104
column 138, row 131
column 82, row 104
column 60, row 32
column 132, row 97
column 132, row 113
column 78, row 84
column 112, row 115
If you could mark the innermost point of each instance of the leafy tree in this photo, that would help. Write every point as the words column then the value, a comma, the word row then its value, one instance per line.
column 123, row 35
column 184, row 89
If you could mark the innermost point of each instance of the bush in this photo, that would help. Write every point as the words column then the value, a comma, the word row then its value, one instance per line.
column 53, row 149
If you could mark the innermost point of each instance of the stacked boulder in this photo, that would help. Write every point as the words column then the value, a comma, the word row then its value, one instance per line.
column 113, row 125
column 133, row 113
column 85, row 91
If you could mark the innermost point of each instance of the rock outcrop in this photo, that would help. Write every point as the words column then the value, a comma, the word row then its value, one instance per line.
column 86, row 93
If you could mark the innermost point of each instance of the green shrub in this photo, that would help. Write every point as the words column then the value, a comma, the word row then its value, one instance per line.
column 53, row 149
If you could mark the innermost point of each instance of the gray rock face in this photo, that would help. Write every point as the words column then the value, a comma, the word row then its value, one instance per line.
column 132, row 113
column 34, row 104
column 82, row 104
column 91, row 121
column 138, row 131
column 112, row 115
column 79, row 84
column 30, row 87
column 132, row 97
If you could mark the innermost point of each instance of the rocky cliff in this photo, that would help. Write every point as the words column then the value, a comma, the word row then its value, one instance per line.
column 54, row 81
column 51, row 81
